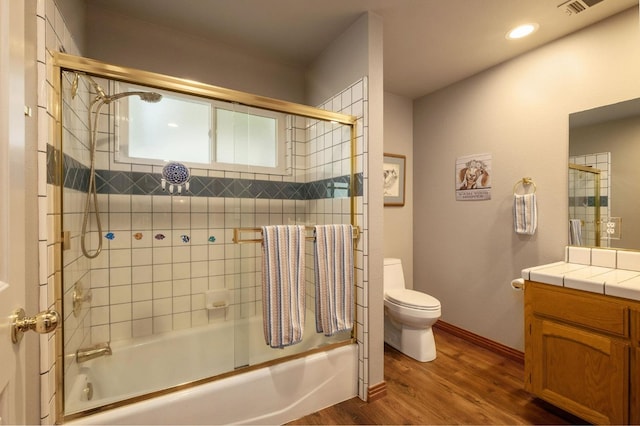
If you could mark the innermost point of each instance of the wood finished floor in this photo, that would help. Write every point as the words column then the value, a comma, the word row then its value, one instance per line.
column 464, row 385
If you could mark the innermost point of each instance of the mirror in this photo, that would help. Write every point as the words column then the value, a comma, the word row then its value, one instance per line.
column 604, row 143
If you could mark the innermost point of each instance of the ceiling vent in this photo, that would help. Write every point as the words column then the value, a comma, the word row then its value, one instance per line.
column 573, row 7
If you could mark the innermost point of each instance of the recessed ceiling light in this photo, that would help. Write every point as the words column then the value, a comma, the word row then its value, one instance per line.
column 521, row 31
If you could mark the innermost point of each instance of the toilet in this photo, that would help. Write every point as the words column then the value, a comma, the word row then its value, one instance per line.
column 408, row 315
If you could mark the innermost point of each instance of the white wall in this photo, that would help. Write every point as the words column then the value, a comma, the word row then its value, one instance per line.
column 356, row 53
column 374, row 213
column 518, row 112
column 74, row 13
column 117, row 39
column 53, row 34
column 344, row 61
column 398, row 221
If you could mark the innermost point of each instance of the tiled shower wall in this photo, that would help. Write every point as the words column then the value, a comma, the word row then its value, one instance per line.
column 162, row 253
column 52, row 35
column 322, row 158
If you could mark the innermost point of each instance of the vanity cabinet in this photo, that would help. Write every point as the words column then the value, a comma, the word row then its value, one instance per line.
column 582, row 352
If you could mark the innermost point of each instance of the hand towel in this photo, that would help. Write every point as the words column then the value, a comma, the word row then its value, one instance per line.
column 575, row 232
column 283, row 288
column 525, row 214
column 333, row 264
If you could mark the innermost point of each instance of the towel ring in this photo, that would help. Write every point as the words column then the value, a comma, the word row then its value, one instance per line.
column 525, row 181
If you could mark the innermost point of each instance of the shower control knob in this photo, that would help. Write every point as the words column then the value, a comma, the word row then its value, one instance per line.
column 43, row 322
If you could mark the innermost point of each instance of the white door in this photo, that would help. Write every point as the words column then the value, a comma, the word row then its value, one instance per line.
column 12, row 208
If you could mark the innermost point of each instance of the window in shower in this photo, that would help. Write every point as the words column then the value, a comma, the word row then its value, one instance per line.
column 176, row 128
column 247, row 138
column 222, row 135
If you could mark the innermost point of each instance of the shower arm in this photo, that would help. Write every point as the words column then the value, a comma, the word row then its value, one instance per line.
column 100, row 93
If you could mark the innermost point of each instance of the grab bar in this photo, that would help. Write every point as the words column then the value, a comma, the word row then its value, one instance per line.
column 237, row 238
column 95, row 351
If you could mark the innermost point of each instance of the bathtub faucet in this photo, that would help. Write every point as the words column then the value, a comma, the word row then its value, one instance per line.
column 85, row 354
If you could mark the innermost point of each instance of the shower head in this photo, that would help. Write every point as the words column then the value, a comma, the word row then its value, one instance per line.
column 101, row 95
column 151, row 97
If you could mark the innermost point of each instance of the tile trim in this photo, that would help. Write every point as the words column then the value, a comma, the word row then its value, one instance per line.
column 76, row 176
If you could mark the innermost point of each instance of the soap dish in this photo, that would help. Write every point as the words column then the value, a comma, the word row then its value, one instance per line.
column 217, row 300
column 217, row 305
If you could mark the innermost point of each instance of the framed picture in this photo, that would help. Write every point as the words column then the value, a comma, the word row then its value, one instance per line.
column 394, row 175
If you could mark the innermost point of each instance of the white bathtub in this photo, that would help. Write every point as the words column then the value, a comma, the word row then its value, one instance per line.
column 274, row 394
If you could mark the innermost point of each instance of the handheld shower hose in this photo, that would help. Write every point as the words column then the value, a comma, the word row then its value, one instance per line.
column 100, row 100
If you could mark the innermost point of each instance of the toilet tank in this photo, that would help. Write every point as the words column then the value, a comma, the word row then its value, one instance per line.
column 393, row 276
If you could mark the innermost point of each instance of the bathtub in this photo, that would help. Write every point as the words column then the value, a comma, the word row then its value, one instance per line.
column 274, row 394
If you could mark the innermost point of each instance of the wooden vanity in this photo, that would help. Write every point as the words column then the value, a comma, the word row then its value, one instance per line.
column 582, row 352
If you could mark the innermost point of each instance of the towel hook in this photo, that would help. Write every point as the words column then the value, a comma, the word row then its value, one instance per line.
column 525, row 181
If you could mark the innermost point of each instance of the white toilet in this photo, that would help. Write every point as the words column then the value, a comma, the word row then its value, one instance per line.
column 408, row 315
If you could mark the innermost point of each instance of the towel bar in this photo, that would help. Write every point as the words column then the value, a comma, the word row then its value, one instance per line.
column 239, row 240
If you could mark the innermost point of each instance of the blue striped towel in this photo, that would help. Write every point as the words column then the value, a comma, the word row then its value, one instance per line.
column 283, row 287
column 525, row 214
column 334, row 278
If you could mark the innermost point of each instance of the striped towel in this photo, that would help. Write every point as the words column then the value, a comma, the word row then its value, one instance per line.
column 525, row 214
column 283, row 288
column 575, row 232
column 334, row 278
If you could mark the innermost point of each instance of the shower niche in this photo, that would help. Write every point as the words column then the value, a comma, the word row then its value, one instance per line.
column 174, row 301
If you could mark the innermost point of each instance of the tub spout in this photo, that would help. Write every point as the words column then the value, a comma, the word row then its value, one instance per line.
column 85, row 354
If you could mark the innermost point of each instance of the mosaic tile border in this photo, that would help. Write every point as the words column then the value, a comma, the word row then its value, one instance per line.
column 76, row 176
column 590, row 201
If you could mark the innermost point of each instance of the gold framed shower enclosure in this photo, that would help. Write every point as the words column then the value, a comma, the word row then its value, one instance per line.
column 64, row 61
column 596, row 220
column 94, row 68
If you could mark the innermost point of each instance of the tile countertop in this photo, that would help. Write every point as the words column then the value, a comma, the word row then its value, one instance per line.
column 596, row 279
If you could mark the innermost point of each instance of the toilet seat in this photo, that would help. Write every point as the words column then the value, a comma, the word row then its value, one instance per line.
column 413, row 299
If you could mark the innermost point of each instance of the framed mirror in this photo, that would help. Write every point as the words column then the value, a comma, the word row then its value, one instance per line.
column 604, row 176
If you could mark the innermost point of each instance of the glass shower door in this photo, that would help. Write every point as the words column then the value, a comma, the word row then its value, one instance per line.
column 170, row 286
column 584, row 205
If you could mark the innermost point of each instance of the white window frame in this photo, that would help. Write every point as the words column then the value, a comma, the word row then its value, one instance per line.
column 282, row 147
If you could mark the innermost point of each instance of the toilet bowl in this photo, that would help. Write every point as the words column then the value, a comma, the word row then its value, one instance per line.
column 408, row 315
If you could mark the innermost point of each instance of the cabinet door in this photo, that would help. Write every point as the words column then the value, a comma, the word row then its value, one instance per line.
column 634, row 417
column 582, row 372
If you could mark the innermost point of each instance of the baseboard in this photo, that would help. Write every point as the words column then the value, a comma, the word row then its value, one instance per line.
column 496, row 347
column 376, row 391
